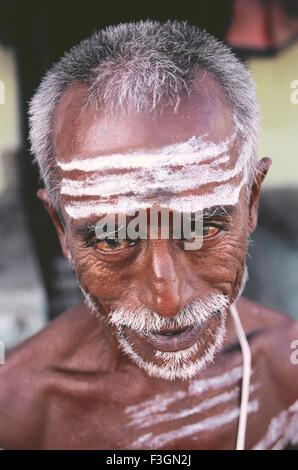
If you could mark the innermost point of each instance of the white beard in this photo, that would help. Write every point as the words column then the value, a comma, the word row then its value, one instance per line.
column 178, row 364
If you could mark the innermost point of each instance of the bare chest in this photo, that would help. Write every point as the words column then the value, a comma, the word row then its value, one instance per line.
column 202, row 414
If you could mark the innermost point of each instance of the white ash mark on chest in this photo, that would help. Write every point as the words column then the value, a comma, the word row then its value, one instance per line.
column 282, row 430
column 223, row 399
column 158, row 441
column 163, row 409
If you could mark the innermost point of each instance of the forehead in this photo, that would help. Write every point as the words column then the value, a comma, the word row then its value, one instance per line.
column 83, row 132
column 184, row 159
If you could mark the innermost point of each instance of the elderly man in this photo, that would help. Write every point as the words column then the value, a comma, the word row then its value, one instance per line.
column 143, row 117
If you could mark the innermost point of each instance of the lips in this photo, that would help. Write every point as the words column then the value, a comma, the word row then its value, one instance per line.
column 173, row 340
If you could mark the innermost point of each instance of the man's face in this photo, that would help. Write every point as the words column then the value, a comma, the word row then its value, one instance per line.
column 167, row 304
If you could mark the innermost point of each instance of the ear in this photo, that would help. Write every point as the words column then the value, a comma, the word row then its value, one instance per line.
column 52, row 211
column 261, row 171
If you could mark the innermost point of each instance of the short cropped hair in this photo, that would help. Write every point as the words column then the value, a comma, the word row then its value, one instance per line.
column 135, row 66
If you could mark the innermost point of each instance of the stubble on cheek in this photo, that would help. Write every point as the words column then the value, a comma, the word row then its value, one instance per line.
column 104, row 282
column 227, row 258
column 222, row 266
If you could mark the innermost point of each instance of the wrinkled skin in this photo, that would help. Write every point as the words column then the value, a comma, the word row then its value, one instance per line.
column 69, row 385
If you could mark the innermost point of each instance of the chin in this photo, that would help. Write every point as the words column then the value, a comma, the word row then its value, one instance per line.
column 183, row 365
column 147, row 339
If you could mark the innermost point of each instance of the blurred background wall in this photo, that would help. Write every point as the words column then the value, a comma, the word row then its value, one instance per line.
column 22, row 297
column 35, row 282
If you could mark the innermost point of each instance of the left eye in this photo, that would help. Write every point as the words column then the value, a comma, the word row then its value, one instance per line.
column 112, row 244
column 210, row 231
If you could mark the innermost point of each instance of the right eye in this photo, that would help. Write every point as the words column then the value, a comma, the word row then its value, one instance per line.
column 111, row 244
column 210, row 231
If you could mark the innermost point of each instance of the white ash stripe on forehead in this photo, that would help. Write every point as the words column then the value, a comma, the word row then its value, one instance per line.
column 222, row 195
column 207, row 404
column 150, row 441
column 282, row 430
column 198, row 386
column 168, row 155
column 146, row 181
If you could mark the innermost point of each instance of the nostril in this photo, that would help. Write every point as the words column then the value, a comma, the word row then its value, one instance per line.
column 164, row 296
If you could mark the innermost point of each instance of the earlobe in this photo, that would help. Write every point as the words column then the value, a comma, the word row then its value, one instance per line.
column 261, row 171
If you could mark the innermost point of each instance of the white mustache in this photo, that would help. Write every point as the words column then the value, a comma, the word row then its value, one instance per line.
column 145, row 320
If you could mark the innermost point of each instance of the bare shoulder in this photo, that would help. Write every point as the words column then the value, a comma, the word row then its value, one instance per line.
column 271, row 333
column 272, row 323
column 26, row 374
column 257, row 314
column 277, row 331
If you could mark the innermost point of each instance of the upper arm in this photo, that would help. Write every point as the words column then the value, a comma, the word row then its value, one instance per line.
column 19, row 413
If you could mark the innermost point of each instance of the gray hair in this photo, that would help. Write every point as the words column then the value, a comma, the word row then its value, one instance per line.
column 135, row 66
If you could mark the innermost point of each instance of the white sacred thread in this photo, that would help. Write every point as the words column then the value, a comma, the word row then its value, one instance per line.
column 149, row 441
column 246, row 357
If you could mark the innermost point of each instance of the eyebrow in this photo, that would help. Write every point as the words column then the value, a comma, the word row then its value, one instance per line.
column 216, row 211
column 88, row 228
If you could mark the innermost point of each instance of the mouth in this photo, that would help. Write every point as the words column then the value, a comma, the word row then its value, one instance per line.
column 172, row 340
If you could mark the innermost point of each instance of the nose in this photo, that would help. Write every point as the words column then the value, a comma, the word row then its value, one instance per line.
column 169, row 283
